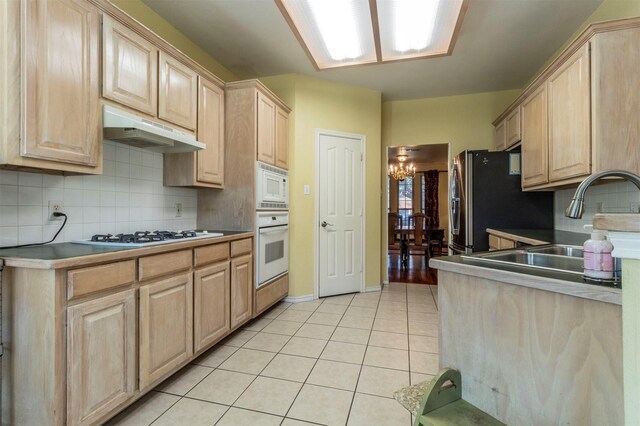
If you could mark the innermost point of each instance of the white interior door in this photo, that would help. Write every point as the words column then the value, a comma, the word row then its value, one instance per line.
column 340, row 192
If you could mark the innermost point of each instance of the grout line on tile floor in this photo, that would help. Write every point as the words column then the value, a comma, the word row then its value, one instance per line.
column 355, row 390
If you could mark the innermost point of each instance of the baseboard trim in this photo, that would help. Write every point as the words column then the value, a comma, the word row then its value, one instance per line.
column 372, row 289
column 298, row 299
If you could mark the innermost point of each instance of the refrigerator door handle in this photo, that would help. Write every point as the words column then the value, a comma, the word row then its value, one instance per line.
column 455, row 202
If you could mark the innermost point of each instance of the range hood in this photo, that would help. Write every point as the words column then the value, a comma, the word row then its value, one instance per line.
column 123, row 127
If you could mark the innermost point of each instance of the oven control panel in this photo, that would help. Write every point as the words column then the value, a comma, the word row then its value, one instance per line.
column 276, row 218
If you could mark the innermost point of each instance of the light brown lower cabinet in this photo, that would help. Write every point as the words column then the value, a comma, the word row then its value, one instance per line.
column 166, row 326
column 211, row 310
column 241, row 289
column 79, row 351
column 268, row 295
column 101, row 356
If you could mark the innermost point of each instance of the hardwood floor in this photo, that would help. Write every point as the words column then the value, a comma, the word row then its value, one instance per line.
column 417, row 270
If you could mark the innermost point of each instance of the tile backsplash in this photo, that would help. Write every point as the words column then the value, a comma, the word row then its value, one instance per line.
column 128, row 197
column 617, row 197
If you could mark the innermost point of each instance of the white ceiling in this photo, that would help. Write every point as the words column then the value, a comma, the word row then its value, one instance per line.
column 501, row 45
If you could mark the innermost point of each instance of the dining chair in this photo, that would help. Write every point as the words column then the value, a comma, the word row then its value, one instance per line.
column 395, row 223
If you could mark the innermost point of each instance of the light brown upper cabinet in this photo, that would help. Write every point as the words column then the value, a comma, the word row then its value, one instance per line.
column 513, row 128
column 282, row 138
column 254, row 112
column 61, row 80
column 203, row 168
column 583, row 109
column 535, row 138
column 569, row 118
column 266, row 129
column 500, row 136
column 129, row 68
column 178, row 92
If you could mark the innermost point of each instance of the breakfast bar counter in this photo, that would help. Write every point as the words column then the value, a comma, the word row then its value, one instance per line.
column 531, row 349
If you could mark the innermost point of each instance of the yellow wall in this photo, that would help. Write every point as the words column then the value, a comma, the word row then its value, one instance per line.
column 160, row 26
column 325, row 105
column 464, row 122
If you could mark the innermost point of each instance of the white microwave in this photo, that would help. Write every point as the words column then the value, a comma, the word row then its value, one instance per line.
column 272, row 187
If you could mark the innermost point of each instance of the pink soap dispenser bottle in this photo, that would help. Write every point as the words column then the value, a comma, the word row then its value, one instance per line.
column 598, row 262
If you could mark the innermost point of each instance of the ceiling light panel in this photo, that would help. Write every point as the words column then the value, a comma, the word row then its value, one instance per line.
column 335, row 33
column 418, row 28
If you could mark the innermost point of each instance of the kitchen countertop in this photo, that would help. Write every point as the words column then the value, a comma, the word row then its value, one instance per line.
column 542, row 236
column 63, row 255
column 556, row 282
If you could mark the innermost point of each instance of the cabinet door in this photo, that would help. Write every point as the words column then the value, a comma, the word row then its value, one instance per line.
column 61, row 79
column 210, row 161
column 166, row 327
column 535, row 138
column 178, row 93
column 570, row 118
column 129, row 68
column 241, row 289
column 266, row 129
column 101, row 351
column 513, row 127
column 282, row 138
column 211, row 309
column 500, row 136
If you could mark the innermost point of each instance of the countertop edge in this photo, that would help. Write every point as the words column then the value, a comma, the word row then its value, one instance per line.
column 585, row 291
column 23, row 262
column 516, row 237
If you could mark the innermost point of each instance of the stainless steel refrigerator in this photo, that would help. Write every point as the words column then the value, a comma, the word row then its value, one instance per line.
column 485, row 192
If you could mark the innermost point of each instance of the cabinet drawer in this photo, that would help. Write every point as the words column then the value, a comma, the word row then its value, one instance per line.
column 163, row 264
column 97, row 278
column 268, row 295
column 241, row 247
column 212, row 253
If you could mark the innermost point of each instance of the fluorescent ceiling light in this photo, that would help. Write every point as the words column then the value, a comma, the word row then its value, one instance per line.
column 413, row 24
column 338, row 33
column 338, row 25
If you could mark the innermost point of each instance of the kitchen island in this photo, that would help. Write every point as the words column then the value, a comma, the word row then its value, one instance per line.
column 532, row 349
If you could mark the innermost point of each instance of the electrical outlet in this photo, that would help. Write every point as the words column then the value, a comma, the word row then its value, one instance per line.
column 55, row 206
column 634, row 206
column 178, row 209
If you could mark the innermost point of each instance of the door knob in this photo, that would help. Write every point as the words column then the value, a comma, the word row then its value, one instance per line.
column 324, row 224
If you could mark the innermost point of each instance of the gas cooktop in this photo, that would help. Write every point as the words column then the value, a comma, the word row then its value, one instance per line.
column 146, row 238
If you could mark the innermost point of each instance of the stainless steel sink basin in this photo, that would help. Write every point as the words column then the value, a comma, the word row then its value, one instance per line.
column 555, row 257
column 561, row 250
column 534, row 260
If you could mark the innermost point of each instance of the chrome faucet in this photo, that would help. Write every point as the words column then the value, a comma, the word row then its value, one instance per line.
column 576, row 207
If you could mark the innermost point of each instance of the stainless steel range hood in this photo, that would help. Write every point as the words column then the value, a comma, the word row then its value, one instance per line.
column 123, row 127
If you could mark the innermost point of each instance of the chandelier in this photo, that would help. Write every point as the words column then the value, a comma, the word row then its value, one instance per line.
column 401, row 171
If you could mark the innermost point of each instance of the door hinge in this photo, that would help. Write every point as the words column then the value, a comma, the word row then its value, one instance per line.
column 361, row 157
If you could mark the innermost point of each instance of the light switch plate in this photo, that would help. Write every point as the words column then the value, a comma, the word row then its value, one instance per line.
column 307, row 190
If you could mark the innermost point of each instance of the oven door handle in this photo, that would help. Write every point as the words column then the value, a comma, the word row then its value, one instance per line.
column 274, row 229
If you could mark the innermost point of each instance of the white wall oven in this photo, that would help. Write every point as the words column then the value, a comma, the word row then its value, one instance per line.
column 272, row 258
column 272, row 187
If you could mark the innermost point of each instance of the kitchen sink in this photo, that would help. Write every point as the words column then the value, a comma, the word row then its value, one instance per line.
column 558, row 249
column 556, row 257
column 534, row 260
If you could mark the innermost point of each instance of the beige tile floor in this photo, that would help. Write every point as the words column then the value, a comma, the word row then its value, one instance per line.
column 333, row 361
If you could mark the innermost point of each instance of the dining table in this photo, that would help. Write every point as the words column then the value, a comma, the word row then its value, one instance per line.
column 405, row 233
